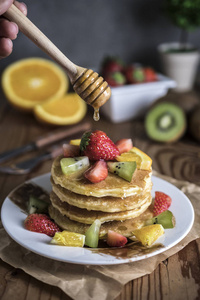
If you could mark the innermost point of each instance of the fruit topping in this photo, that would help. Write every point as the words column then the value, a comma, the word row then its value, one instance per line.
column 143, row 161
column 124, row 170
column 70, row 150
column 71, row 165
column 165, row 122
column 97, row 172
column 115, row 239
column 36, row 205
column 97, row 145
column 124, row 145
column 41, row 223
column 149, row 234
column 166, row 219
column 161, row 203
column 67, row 238
column 92, row 234
column 75, row 142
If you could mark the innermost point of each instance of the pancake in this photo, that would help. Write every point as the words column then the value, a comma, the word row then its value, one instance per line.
column 106, row 204
column 112, row 186
column 125, row 228
column 88, row 217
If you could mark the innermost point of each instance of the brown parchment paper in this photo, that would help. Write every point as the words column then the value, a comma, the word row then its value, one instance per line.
column 95, row 282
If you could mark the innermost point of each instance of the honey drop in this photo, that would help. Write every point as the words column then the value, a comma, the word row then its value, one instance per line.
column 96, row 115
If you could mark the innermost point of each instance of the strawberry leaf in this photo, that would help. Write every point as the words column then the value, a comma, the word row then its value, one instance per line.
column 85, row 140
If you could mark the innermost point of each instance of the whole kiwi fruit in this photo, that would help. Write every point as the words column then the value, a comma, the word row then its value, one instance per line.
column 165, row 122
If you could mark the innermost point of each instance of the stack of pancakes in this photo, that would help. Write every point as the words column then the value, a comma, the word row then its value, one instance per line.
column 120, row 205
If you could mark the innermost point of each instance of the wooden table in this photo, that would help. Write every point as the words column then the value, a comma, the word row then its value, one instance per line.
column 175, row 278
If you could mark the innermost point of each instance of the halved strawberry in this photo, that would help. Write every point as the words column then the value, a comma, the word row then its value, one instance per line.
column 124, row 145
column 71, row 150
column 97, row 172
column 115, row 239
column 161, row 203
column 41, row 223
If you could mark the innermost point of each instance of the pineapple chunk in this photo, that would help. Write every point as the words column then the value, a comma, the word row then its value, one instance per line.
column 149, row 234
column 75, row 142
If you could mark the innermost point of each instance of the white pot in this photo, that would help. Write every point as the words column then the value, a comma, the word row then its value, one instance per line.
column 179, row 66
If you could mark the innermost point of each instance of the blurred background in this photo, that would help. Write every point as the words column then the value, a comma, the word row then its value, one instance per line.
column 86, row 31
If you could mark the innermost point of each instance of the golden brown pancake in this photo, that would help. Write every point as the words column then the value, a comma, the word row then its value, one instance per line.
column 106, row 204
column 125, row 228
column 88, row 217
column 112, row 186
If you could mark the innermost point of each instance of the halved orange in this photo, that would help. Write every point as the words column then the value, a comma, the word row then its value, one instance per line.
column 31, row 81
column 69, row 109
column 143, row 161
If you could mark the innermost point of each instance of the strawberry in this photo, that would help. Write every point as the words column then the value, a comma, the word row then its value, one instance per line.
column 97, row 145
column 161, row 203
column 41, row 223
column 97, row 172
column 115, row 79
column 115, row 239
column 124, row 145
column 71, row 150
column 134, row 74
column 112, row 64
column 150, row 75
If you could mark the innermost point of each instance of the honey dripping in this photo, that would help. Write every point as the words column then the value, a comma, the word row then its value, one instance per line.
column 96, row 115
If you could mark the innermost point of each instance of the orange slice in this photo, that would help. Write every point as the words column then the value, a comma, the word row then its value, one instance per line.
column 66, row 238
column 143, row 161
column 28, row 82
column 69, row 109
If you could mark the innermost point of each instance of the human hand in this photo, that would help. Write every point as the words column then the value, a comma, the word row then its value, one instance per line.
column 8, row 30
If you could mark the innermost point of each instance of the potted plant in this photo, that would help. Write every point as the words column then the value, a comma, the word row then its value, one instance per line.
column 180, row 59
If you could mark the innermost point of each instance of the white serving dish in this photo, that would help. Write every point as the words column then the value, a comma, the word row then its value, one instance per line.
column 133, row 100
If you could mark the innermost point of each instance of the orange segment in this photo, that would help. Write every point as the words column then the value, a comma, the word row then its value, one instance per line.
column 143, row 161
column 32, row 81
column 68, row 109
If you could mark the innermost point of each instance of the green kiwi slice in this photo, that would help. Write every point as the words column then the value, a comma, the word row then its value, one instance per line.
column 165, row 122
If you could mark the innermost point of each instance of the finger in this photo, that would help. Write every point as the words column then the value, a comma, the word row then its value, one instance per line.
column 8, row 29
column 6, row 47
column 22, row 6
column 4, row 5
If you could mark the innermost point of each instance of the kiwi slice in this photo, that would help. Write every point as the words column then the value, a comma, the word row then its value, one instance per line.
column 71, row 165
column 166, row 219
column 36, row 205
column 124, row 170
column 165, row 122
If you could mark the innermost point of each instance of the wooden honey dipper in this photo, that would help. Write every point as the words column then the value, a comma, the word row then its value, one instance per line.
column 87, row 84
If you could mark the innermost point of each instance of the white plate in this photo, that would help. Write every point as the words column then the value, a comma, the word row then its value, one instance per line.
column 13, row 218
